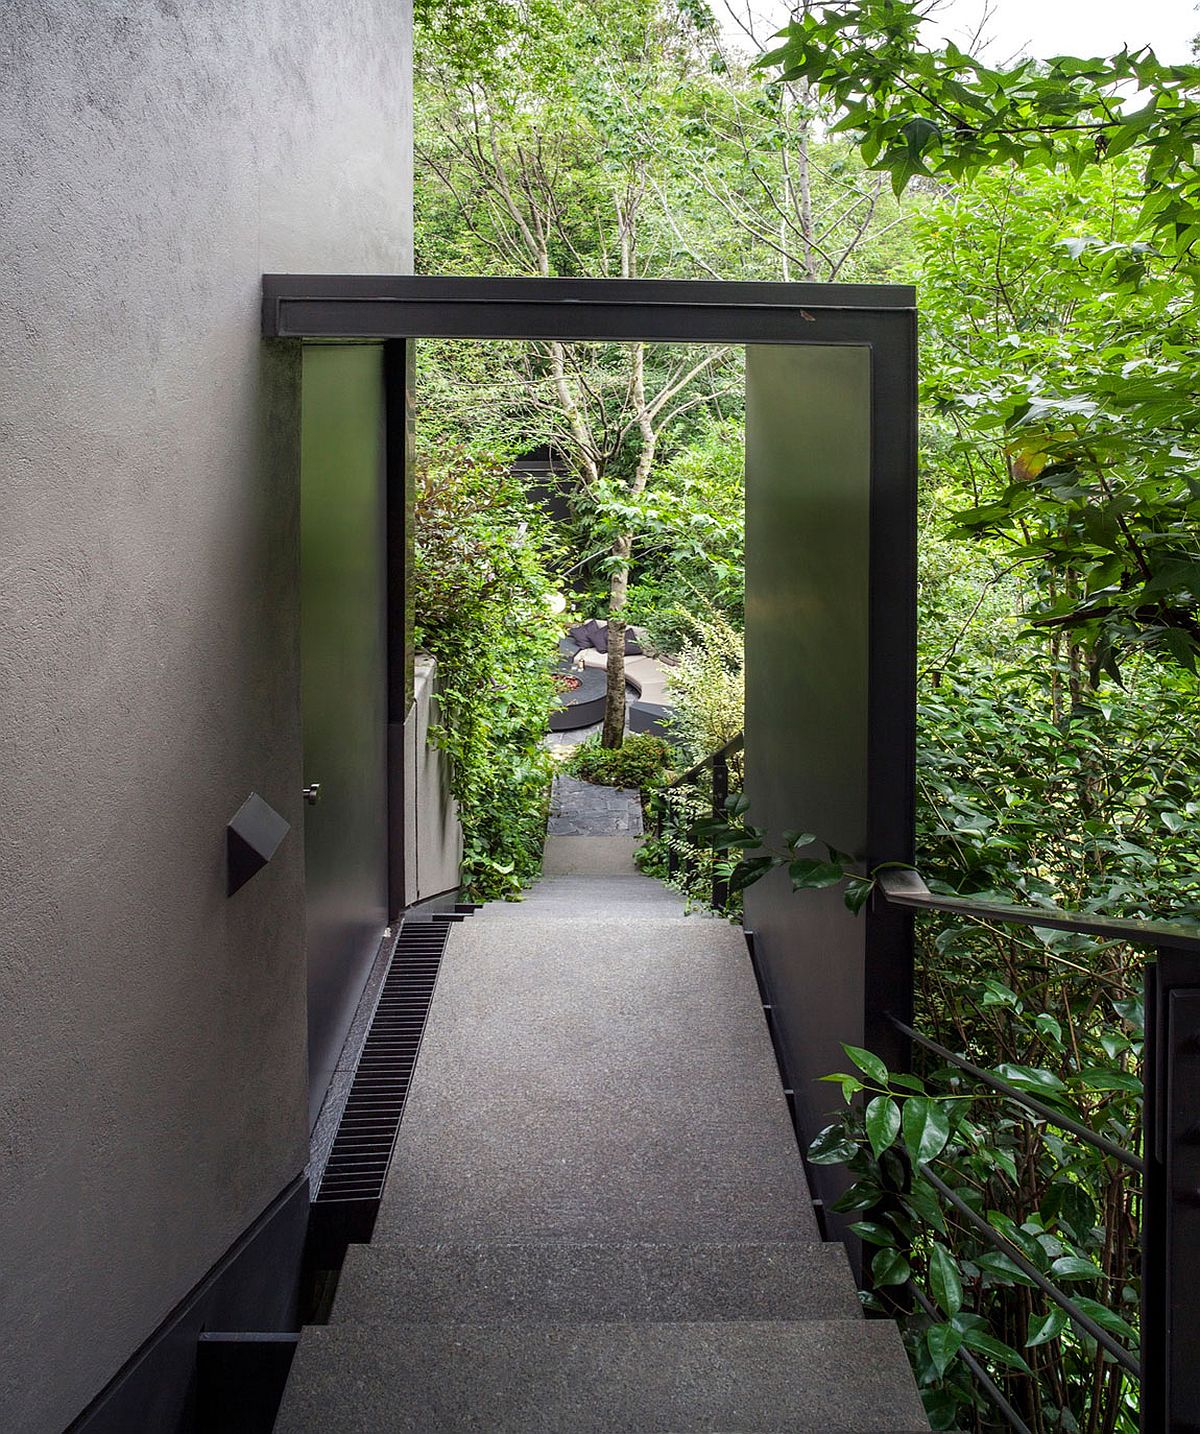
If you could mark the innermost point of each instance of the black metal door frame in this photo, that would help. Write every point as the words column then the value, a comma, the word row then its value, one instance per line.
column 397, row 310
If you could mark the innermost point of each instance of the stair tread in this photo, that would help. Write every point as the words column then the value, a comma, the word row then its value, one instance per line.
column 567, row 855
column 583, row 1378
column 553, row 1280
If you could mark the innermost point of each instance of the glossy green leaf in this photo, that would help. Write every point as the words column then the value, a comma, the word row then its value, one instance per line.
column 995, row 1349
column 1071, row 1267
column 882, row 1123
column 873, row 1232
column 889, row 1267
column 943, row 1342
column 868, row 1063
column 926, row 1128
column 831, row 1147
column 1108, row 1319
column 858, row 892
column 944, row 1282
column 1044, row 1328
column 808, row 874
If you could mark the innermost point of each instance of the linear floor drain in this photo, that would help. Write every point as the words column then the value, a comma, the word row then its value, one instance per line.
column 351, row 1189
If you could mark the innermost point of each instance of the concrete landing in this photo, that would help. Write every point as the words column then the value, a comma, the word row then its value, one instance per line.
column 607, row 1080
column 590, row 856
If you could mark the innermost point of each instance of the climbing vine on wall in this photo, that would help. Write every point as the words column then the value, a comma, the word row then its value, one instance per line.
column 481, row 583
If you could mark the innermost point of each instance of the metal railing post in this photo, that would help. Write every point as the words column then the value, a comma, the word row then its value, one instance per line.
column 669, row 811
column 1171, row 1201
column 720, row 792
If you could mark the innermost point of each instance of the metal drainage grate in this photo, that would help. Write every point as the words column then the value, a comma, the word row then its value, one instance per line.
column 355, row 1174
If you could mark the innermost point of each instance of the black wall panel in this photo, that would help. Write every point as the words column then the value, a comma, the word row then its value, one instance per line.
column 344, row 686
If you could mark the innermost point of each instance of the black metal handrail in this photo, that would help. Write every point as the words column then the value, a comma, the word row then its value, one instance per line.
column 735, row 744
column 1169, row 1370
column 718, row 764
column 906, row 888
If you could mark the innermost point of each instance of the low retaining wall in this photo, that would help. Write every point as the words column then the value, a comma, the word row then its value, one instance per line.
column 433, row 841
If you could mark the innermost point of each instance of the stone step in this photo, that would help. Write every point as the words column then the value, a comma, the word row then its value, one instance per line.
column 602, row 885
column 805, row 1377
column 590, row 856
column 600, row 896
column 558, row 909
column 557, row 1280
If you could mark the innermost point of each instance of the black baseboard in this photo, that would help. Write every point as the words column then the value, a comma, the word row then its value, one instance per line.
column 254, row 1286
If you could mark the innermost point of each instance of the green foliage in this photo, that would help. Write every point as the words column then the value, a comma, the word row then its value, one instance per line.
column 639, row 763
column 707, row 686
column 921, row 111
column 480, row 588
column 1056, row 1203
column 1062, row 408
column 1092, row 807
column 1062, row 301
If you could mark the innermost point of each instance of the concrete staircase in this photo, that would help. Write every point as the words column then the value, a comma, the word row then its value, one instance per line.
column 597, row 1219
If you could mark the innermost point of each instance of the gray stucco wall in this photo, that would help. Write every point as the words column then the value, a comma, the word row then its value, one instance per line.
column 155, row 159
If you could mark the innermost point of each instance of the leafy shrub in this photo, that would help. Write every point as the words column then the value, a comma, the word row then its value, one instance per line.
column 707, row 687
column 640, row 762
column 480, row 586
column 1057, row 1204
column 656, row 609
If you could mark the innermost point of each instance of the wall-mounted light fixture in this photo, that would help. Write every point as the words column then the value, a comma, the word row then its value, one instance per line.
column 251, row 839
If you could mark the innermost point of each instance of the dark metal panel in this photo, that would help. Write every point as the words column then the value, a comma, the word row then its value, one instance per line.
column 254, row 1286
column 892, row 677
column 1171, row 1206
column 343, row 686
column 808, row 491
column 400, row 378
column 830, row 667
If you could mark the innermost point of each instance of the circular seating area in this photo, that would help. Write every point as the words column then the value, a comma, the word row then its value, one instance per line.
column 586, row 652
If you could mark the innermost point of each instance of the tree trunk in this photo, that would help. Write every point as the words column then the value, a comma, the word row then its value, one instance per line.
column 804, row 187
column 614, row 699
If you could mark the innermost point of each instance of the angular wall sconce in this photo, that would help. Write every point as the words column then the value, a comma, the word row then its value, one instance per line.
column 251, row 839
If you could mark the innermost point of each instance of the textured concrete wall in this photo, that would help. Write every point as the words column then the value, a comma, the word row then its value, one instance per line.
column 433, row 839
column 155, row 158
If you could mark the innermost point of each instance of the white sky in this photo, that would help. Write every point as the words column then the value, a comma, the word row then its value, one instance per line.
column 1075, row 27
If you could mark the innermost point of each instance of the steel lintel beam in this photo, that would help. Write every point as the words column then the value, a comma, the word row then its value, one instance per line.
column 358, row 306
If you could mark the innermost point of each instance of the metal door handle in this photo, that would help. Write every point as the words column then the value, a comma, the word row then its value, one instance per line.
column 312, row 793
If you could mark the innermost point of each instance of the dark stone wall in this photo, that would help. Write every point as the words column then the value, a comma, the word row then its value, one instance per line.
column 155, row 159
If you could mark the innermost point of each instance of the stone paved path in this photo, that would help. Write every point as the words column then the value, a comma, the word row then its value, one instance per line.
column 581, row 809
